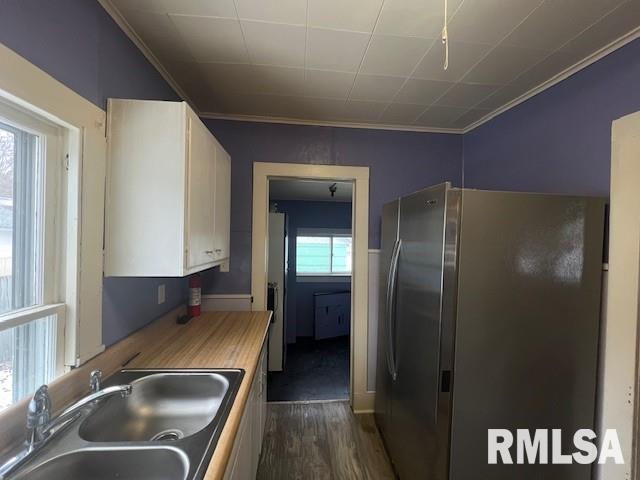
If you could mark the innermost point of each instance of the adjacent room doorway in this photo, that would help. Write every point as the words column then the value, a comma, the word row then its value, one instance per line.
column 309, row 289
column 319, row 349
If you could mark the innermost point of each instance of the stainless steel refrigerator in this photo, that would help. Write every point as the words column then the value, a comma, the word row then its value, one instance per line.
column 489, row 318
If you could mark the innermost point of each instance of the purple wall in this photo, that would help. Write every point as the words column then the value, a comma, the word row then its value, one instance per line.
column 78, row 43
column 299, row 300
column 400, row 163
column 560, row 140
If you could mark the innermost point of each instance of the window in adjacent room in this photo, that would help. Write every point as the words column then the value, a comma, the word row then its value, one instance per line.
column 323, row 254
column 31, row 262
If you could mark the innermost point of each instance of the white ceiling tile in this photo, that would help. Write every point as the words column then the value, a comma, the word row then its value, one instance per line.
column 202, row 45
column 335, row 50
column 462, row 56
column 376, row 87
column 228, row 77
column 271, row 79
column 613, row 26
column 470, row 117
column 361, row 111
column 159, row 34
column 212, row 39
column 280, row 11
column 245, row 104
column 205, row 8
column 556, row 22
column 323, row 108
column 275, row 43
column 437, row 116
column 422, row 92
column 402, row 113
column 354, row 15
column 328, row 84
column 396, row 56
column 466, row 95
column 414, row 18
column 503, row 96
column 547, row 69
column 488, row 21
column 503, row 64
column 263, row 105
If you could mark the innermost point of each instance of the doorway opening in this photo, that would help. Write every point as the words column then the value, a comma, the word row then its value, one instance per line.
column 355, row 315
column 309, row 289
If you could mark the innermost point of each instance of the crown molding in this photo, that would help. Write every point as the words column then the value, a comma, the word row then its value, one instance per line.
column 146, row 51
column 594, row 57
column 575, row 68
column 322, row 123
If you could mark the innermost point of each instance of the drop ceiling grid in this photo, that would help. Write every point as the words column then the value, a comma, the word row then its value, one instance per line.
column 540, row 2
column 364, row 54
column 558, row 49
column 454, row 107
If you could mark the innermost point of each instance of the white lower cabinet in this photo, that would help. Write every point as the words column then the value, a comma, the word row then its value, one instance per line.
column 243, row 464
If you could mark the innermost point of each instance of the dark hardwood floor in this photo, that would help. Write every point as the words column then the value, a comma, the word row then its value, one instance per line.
column 314, row 370
column 321, row 441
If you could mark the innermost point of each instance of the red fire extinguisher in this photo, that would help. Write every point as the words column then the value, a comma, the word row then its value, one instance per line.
column 195, row 295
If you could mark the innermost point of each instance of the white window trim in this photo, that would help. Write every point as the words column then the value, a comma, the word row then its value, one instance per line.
column 324, row 276
column 52, row 247
column 25, row 85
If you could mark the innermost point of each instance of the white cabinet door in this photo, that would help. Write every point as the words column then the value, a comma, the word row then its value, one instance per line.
column 263, row 396
column 240, row 463
column 200, row 194
column 259, row 407
column 222, row 204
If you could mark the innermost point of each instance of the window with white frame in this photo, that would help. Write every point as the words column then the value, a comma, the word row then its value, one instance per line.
column 323, row 253
column 32, row 197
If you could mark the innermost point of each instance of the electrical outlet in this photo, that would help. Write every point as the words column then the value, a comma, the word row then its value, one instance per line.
column 161, row 294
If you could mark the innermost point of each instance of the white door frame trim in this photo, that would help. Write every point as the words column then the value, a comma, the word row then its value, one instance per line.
column 361, row 400
column 619, row 382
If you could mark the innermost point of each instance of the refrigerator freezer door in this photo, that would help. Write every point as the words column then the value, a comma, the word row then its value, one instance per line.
column 389, row 238
column 414, row 447
column 526, row 346
column 276, row 277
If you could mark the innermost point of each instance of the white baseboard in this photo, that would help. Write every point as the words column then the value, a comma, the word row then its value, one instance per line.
column 226, row 302
column 364, row 402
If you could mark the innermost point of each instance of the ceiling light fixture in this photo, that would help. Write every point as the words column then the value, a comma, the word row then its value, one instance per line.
column 332, row 189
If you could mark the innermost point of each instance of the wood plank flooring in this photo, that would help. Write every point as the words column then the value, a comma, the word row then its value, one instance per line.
column 321, row 441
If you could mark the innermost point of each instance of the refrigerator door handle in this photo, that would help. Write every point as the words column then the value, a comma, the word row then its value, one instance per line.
column 388, row 309
column 391, row 310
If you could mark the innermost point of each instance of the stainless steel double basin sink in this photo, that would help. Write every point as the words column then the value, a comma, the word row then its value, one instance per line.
column 166, row 429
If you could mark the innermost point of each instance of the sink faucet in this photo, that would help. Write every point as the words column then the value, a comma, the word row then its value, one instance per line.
column 95, row 379
column 40, row 425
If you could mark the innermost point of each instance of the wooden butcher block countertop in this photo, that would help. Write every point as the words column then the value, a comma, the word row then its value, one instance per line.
column 214, row 340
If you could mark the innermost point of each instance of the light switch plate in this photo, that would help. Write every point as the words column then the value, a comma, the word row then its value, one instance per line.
column 161, row 294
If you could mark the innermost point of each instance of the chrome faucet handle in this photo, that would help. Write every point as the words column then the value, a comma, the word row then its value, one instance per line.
column 38, row 416
column 95, row 379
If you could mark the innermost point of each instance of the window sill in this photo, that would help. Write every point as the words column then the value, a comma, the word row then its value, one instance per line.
column 323, row 278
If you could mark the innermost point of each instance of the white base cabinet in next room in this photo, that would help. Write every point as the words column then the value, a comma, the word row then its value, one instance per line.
column 168, row 199
column 243, row 464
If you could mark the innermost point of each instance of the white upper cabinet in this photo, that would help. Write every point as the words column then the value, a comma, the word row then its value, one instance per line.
column 223, row 205
column 168, row 192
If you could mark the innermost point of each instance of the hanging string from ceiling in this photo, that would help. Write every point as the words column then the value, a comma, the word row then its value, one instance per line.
column 445, row 36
